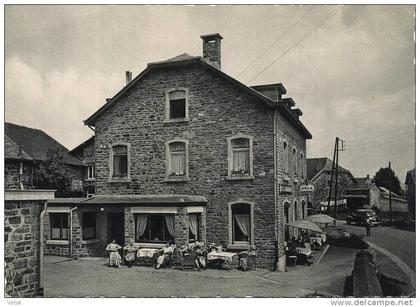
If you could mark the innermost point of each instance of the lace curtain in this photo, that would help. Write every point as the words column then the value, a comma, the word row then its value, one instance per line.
column 193, row 224
column 141, row 223
column 170, row 223
column 243, row 222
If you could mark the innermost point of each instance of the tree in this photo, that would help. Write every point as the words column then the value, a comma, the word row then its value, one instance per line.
column 381, row 179
column 53, row 173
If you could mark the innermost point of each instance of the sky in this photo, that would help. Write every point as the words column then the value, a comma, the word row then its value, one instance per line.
column 350, row 68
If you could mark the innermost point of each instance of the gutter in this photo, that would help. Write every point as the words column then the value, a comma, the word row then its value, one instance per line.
column 71, row 232
column 41, row 250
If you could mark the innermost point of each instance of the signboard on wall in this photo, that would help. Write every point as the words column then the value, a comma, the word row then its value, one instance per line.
column 285, row 188
column 307, row 188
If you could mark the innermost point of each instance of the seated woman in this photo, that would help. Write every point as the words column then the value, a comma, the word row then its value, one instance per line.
column 130, row 253
column 167, row 251
column 114, row 255
column 201, row 256
column 245, row 258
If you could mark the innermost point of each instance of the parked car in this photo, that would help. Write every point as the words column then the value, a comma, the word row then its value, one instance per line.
column 360, row 216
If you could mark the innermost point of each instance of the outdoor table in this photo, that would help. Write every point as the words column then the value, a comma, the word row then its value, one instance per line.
column 303, row 250
column 146, row 252
column 221, row 255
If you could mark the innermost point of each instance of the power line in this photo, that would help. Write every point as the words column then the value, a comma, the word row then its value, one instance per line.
column 383, row 140
column 373, row 144
column 329, row 16
column 272, row 45
column 408, row 128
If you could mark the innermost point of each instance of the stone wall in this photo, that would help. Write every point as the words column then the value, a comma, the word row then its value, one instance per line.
column 12, row 178
column 289, row 176
column 21, row 235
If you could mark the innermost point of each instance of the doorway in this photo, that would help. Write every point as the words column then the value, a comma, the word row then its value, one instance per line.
column 116, row 227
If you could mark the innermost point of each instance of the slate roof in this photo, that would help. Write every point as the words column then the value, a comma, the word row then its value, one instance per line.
column 34, row 143
column 150, row 199
column 361, row 184
column 13, row 151
column 185, row 59
column 314, row 166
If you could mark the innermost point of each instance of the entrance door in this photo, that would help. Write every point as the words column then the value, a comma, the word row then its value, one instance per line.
column 116, row 227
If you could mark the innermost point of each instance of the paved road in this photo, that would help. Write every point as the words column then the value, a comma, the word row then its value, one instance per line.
column 401, row 243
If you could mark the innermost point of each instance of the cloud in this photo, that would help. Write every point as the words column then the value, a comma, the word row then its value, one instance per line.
column 58, row 101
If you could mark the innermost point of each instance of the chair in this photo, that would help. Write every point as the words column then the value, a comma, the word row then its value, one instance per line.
column 185, row 260
column 291, row 256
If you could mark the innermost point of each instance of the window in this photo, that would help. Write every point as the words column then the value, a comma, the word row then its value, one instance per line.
column 120, row 162
column 286, row 157
column 303, row 209
column 241, row 224
column 286, row 220
column 177, row 104
column 88, row 225
column 296, row 211
column 155, row 228
column 59, row 224
column 177, row 160
column 295, row 161
column 194, row 226
column 302, row 171
column 240, row 157
column 90, row 172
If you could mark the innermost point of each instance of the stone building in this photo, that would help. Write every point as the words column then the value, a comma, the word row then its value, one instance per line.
column 319, row 172
column 23, row 246
column 363, row 193
column 25, row 149
column 184, row 151
column 410, row 183
column 85, row 152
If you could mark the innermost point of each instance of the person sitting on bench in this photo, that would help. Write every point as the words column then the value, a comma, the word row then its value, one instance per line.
column 167, row 251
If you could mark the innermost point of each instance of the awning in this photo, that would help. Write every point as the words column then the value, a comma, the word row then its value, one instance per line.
column 150, row 200
column 320, row 218
column 303, row 224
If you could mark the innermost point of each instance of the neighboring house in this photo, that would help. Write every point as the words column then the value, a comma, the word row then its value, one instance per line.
column 319, row 172
column 186, row 152
column 362, row 194
column 399, row 206
column 410, row 182
column 86, row 153
column 25, row 149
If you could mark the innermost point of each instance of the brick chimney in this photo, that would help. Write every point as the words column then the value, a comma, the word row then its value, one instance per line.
column 212, row 49
column 128, row 76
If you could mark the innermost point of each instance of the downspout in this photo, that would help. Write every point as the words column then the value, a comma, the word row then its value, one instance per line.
column 275, row 187
column 41, row 250
column 71, row 232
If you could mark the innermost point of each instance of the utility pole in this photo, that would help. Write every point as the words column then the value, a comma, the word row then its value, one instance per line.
column 390, row 200
column 336, row 174
column 331, row 177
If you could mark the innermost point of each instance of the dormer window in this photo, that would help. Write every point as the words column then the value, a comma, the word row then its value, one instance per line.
column 177, row 105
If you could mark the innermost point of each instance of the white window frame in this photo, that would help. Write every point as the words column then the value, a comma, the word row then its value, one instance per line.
column 232, row 176
column 186, row 177
column 168, row 105
column 90, row 172
column 244, row 245
column 111, row 162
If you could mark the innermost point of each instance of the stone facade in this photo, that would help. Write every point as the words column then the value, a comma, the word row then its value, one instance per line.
column 21, row 235
column 86, row 153
column 322, row 184
column 18, row 174
column 217, row 110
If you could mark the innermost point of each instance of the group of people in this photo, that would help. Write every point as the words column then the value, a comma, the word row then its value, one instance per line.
column 196, row 248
